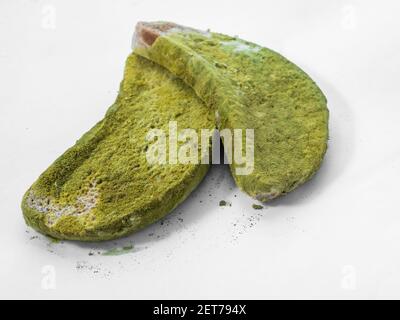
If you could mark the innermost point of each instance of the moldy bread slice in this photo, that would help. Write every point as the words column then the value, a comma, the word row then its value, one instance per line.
column 103, row 187
column 248, row 87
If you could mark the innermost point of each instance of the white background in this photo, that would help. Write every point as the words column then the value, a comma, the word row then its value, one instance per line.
column 336, row 237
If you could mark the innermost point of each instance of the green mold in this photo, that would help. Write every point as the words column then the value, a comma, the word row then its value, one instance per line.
column 103, row 187
column 248, row 87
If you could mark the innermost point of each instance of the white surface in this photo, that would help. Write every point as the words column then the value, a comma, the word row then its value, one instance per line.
column 336, row 237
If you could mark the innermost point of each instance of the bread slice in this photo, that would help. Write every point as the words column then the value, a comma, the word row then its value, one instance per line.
column 249, row 87
column 104, row 187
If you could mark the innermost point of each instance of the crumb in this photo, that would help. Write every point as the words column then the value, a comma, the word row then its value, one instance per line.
column 224, row 203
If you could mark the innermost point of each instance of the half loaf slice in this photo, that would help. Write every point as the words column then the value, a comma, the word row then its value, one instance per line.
column 248, row 87
column 104, row 186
